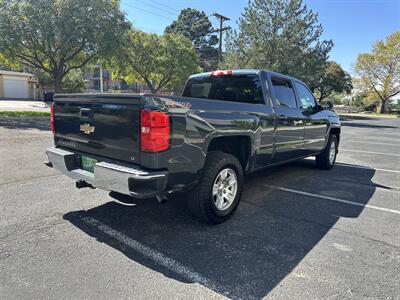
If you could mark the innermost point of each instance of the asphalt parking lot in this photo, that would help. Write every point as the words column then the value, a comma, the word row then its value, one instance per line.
column 299, row 233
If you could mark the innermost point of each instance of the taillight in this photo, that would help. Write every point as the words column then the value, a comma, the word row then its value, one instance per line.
column 155, row 129
column 53, row 129
column 221, row 72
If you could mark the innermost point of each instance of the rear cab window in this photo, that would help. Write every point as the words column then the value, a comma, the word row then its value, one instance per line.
column 236, row 88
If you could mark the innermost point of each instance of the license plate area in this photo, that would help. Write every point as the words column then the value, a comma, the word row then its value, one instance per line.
column 87, row 163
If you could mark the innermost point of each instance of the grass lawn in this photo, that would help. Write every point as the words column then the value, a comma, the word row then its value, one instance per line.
column 393, row 116
column 24, row 114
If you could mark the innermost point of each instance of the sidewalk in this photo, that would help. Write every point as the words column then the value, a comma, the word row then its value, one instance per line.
column 19, row 105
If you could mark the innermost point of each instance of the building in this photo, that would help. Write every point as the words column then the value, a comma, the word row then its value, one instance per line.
column 17, row 85
column 92, row 83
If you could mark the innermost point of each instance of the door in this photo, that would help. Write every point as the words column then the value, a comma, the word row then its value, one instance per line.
column 289, row 130
column 315, row 120
column 15, row 87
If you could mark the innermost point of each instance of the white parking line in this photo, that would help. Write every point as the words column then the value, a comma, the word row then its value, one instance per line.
column 359, row 167
column 374, row 143
column 370, row 152
column 334, row 199
column 154, row 255
column 367, row 168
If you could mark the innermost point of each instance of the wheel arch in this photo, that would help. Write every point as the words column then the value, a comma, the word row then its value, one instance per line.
column 238, row 145
column 336, row 131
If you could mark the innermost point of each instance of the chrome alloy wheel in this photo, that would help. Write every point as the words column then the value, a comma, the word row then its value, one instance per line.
column 332, row 153
column 225, row 189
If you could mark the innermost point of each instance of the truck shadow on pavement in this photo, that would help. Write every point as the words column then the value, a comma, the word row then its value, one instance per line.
column 249, row 255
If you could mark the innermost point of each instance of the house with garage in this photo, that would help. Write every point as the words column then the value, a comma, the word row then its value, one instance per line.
column 17, row 85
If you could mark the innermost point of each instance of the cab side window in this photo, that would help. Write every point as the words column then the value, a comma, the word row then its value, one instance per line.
column 306, row 98
column 284, row 93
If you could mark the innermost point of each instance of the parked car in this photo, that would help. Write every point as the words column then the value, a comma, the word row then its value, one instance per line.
column 226, row 125
column 48, row 96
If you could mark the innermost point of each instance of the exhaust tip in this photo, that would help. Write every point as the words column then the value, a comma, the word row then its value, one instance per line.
column 161, row 198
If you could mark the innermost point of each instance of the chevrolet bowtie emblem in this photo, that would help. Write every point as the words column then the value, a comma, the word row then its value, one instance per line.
column 86, row 128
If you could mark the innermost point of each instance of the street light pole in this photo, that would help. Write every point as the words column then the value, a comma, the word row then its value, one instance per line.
column 101, row 79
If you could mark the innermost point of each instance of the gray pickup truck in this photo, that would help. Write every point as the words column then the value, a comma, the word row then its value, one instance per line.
column 226, row 125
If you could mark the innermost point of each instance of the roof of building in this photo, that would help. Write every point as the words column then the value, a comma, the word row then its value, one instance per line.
column 14, row 73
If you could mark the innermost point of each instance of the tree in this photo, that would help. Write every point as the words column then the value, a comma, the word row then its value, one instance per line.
column 7, row 64
column 58, row 36
column 279, row 35
column 333, row 80
column 196, row 26
column 380, row 70
column 362, row 96
column 158, row 60
column 73, row 82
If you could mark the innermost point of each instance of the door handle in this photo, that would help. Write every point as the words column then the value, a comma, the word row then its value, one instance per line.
column 282, row 117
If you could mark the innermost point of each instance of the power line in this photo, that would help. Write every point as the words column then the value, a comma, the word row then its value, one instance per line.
column 167, row 6
column 147, row 11
column 155, row 7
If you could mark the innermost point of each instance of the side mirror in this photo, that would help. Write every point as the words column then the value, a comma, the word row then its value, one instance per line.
column 326, row 104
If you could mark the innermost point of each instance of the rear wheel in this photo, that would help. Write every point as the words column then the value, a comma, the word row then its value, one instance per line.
column 217, row 195
column 327, row 158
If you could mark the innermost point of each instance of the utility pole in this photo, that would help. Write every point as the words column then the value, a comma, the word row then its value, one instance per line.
column 221, row 29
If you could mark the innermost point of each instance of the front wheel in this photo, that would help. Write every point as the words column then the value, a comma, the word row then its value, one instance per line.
column 327, row 158
column 217, row 195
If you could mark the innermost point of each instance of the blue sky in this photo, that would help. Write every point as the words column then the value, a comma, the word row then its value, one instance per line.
column 353, row 25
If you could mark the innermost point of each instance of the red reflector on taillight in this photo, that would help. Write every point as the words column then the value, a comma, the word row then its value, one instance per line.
column 53, row 128
column 221, row 72
column 155, row 130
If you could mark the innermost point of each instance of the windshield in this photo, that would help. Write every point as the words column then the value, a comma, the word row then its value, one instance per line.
column 236, row 88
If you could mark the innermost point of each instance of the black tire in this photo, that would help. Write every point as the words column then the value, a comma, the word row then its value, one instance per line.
column 200, row 199
column 323, row 160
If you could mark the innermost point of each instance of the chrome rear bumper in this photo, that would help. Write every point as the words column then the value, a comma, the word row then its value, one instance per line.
column 107, row 176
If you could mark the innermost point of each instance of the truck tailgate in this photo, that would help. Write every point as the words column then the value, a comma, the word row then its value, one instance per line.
column 106, row 125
